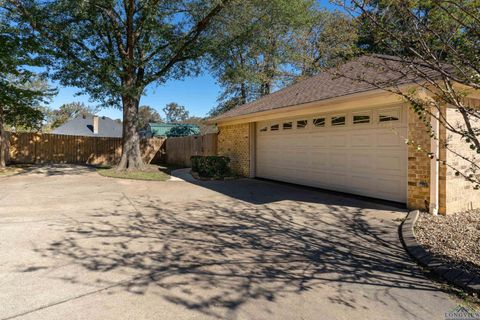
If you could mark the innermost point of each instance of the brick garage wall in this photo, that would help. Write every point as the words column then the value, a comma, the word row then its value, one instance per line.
column 460, row 195
column 418, row 163
column 455, row 193
column 234, row 142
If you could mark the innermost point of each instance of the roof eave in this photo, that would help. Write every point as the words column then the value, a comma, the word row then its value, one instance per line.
column 253, row 117
column 336, row 101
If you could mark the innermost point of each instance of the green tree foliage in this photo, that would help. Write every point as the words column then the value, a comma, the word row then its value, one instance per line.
column 114, row 49
column 146, row 115
column 251, row 55
column 175, row 113
column 327, row 40
column 287, row 41
column 205, row 127
column 21, row 90
column 67, row 112
column 22, row 102
column 181, row 130
column 438, row 43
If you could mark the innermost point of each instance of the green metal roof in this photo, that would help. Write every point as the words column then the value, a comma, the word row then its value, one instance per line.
column 164, row 129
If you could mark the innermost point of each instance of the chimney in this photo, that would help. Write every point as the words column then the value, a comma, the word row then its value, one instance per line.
column 95, row 124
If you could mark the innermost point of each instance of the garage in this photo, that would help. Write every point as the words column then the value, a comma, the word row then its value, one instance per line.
column 361, row 152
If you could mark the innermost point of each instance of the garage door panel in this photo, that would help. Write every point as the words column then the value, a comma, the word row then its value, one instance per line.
column 361, row 182
column 369, row 161
column 361, row 140
column 390, row 188
column 288, row 140
column 318, row 141
column 319, row 159
column 318, row 175
column 394, row 162
column 293, row 163
column 362, row 160
column 339, row 160
column 338, row 140
column 389, row 138
column 339, row 179
column 299, row 150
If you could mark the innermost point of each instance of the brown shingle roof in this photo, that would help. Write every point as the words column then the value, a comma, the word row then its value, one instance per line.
column 363, row 74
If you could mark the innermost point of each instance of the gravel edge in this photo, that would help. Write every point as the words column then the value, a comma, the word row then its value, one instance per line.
column 452, row 274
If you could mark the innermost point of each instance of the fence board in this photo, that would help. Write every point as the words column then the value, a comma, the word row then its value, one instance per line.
column 54, row 148
column 180, row 149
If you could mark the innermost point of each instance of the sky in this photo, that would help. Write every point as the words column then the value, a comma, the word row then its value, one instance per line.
column 198, row 94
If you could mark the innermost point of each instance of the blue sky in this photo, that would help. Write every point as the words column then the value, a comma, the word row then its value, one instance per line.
column 197, row 94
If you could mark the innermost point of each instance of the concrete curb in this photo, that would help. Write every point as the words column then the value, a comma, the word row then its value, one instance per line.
column 452, row 274
column 181, row 175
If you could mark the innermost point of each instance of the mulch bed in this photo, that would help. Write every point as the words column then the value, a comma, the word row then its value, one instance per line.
column 454, row 238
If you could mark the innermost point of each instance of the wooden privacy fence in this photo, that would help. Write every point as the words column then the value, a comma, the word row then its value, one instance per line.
column 55, row 148
column 179, row 150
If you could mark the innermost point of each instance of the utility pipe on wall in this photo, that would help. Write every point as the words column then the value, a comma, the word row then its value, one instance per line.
column 434, row 163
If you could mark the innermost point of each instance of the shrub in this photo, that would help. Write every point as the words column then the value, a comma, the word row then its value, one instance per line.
column 211, row 166
column 182, row 130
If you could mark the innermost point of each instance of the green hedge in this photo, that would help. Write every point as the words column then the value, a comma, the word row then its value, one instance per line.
column 211, row 166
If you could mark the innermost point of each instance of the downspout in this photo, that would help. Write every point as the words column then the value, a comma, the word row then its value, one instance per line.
column 434, row 163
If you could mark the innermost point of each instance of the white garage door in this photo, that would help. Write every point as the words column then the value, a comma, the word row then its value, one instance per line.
column 360, row 152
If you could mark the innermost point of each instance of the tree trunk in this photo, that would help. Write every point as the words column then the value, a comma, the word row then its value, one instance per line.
column 3, row 142
column 131, row 156
column 243, row 93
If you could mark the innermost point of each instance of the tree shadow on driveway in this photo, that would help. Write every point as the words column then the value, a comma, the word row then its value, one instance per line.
column 48, row 170
column 264, row 191
column 216, row 256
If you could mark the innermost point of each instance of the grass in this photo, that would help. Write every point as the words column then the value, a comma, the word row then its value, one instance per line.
column 12, row 170
column 151, row 173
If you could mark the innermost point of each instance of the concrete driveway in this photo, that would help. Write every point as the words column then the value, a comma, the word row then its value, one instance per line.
column 75, row 245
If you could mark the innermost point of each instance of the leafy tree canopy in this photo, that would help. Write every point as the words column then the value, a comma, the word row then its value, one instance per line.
column 22, row 91
column 175, row 113
column 181, row 130
column 327, row 40
column 114, row 49
column 146, row 115
column 66, row 112
column 289, row 40
column 205, row 128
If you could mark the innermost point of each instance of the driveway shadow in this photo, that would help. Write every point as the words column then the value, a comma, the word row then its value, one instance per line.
column 215, row 256
column 49, row 169
column 263, row 191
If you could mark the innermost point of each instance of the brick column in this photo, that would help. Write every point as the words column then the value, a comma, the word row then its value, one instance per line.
column 234, row 142
column 418, row 163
